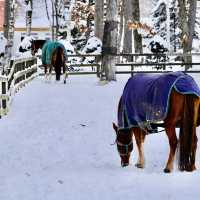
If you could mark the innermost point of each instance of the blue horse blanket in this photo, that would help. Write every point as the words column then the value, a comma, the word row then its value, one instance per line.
column 48, row 49
column 145, row 98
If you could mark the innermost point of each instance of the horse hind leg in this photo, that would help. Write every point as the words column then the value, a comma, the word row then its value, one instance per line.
column 171, row 133
column 49, row 76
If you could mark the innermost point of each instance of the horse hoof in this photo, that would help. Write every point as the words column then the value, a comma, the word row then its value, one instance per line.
column 167, row 170
column 138, row 165
column 124, row 164
column 190, row 169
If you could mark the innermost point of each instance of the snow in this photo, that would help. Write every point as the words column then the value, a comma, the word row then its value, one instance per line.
column 93, row 44
column 55, row 144
column 3, row 43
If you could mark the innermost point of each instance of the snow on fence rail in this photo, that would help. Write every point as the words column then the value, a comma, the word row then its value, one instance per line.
column 135, row 63
column 20, row 72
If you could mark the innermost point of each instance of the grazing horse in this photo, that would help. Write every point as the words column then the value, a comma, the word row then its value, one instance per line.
column 148, row 100
column 54, row 55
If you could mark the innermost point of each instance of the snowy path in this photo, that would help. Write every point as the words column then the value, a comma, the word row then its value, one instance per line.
column 55, row 145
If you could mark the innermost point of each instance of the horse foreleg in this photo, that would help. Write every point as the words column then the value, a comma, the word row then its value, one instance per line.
column 171, row 133
column 140, row 137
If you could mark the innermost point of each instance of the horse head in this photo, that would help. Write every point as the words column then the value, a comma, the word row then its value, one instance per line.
column 124, row 144
column 35, row 45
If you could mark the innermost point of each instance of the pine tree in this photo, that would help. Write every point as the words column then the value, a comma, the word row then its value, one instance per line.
column 63, row 10
column 83, row 21
column 174, row 29
column 159, row 19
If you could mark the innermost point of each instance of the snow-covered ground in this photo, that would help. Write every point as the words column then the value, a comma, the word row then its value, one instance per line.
column 55, row 145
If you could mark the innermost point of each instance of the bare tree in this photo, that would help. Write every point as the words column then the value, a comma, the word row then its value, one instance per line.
column 187, row 16
column 99, row 20
column 110, row 40
column 128, row 9
column 136, row 18
column 121, row 26
column 9, row 32
column 29, row 8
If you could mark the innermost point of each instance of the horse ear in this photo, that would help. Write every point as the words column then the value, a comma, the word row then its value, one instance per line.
column 115, row 127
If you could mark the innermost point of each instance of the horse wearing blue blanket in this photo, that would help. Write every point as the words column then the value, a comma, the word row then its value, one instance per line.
column 148, row 100
column 54, row 55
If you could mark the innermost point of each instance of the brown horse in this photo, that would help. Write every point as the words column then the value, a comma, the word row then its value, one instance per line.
column 54, row 57
column 183, row 112
column 58, row 62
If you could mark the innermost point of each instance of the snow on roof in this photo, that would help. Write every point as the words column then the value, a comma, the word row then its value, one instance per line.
column 68, row 46
column 93, row 43
column 26, row 42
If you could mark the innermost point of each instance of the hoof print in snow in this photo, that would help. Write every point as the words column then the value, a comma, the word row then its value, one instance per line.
column 60, row 181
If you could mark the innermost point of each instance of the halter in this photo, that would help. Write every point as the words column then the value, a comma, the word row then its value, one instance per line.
column 126, row 147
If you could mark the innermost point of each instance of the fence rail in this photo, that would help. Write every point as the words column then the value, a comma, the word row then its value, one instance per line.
column 131, row 60
column 20, row 72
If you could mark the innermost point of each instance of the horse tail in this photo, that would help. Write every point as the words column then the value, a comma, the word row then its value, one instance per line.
column 188, row 138
column 59, row 56
column 198, row 117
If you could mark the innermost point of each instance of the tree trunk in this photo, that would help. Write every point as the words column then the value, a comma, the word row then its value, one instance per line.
column 29, row 8
column 6, row 17
column 99, row 22
column 187, row 24
column 136, row 35
column 9, row 34
column 191, row 21
column 121, row 30
column 110, row 40
column 127, row 47
column 53, row 20
column 56, row 6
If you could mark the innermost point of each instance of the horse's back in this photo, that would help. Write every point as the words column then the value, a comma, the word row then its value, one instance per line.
column 146, row 98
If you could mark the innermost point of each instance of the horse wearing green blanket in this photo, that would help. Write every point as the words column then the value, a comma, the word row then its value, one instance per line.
column 54, row 56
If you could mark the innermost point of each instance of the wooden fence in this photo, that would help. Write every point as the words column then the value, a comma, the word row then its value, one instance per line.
column 131, row 60
column 20, row 72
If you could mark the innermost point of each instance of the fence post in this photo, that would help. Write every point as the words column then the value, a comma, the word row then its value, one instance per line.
column 0, row 98
column 4, row 103
column 132, row 68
